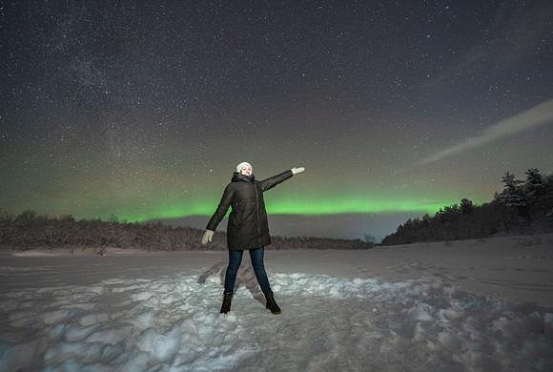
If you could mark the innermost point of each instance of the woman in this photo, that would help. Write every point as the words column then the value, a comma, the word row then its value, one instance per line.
column 247, row 228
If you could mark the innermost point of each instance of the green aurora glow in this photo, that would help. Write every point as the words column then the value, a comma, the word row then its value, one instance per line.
column 139, row 199
column 298, row 207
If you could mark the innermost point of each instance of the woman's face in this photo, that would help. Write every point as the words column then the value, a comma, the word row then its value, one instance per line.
column 247, row 170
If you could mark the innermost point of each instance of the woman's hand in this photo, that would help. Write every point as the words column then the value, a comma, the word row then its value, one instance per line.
column 208, row 236
column 297, row 170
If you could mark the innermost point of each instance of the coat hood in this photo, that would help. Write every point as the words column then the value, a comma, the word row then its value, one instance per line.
column 236, row 177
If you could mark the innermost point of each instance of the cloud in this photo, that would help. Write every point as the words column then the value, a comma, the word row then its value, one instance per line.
column 536, row 116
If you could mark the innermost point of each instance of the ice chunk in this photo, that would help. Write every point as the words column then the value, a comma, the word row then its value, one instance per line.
column 57, row 316
column 93, row 319
column 161, row 347
column 421, row 312
column 449, row 340
column 76, row 333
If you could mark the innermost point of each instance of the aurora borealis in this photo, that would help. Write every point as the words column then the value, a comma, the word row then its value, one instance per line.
column 143, row 109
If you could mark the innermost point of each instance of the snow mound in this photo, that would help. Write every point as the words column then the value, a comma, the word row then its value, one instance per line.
column 172, row 323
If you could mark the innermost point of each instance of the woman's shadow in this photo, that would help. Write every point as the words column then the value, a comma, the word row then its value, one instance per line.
column 245, row 276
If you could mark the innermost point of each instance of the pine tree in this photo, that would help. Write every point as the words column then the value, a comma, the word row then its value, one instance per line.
column 534, row 185
column 512, row 193
column 534, row 190
column 466, row 206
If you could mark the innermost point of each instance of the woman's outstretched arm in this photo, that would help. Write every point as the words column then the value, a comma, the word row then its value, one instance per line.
column 271, row 182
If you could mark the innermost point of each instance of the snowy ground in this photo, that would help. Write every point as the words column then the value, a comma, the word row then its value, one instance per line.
column 464, row 306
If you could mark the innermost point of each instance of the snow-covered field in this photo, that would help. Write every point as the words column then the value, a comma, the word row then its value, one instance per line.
column 463, row 306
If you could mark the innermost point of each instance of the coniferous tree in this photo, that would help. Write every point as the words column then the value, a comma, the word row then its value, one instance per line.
column 466, row 206
column 513, row 195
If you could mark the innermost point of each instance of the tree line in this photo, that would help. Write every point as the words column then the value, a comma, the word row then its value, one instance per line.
column 29, row 230
column 522, row 207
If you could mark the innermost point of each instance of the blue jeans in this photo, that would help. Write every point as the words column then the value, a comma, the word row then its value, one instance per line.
column 235, row 258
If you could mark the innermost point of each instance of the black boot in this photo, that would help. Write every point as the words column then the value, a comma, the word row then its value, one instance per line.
column 227, row 298
column 271, row 303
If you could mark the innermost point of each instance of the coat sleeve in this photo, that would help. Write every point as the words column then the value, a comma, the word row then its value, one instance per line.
column 222, row 208
column 271, row 182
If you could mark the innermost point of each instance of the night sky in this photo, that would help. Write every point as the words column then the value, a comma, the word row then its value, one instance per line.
column 394, row 108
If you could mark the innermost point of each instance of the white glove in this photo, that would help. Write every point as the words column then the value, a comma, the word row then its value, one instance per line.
column 208, row 235
column 297, row 170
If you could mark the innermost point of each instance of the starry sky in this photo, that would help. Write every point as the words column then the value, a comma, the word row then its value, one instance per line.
column 142, row 109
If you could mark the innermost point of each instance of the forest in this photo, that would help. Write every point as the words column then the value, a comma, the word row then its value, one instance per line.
column 523, row 207
column 29, row 230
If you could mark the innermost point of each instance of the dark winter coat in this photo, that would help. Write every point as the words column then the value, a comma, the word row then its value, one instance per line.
column 248, row 226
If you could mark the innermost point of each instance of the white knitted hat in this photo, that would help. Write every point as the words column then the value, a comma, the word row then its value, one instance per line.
column 242, row 165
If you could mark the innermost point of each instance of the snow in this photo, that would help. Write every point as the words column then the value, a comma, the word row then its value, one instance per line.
column 458, row 307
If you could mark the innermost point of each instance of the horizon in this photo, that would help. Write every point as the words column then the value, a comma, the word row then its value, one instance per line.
column 293, row 224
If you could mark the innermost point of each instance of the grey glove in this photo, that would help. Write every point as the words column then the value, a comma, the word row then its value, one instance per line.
column 208, row 236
